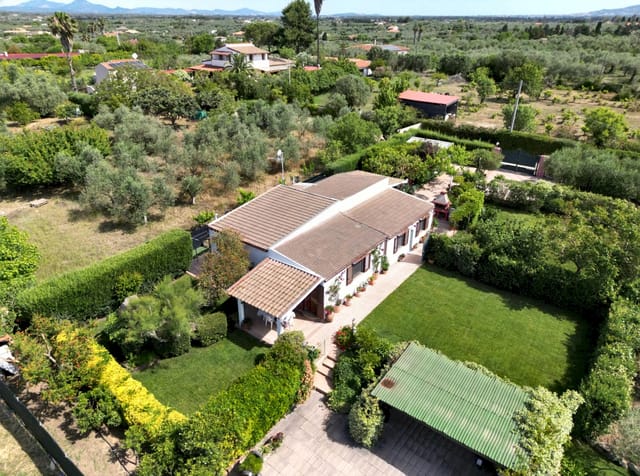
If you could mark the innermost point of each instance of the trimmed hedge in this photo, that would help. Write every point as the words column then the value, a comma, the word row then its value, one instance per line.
column 468, row 144
column 533, row 143
column 548, row 282
column 234, row 420
column 608, row 389
column 139, row 406
column 91, row 292
column 211, row 328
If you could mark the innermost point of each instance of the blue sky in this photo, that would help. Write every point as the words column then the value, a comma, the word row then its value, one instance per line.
column 396, row 7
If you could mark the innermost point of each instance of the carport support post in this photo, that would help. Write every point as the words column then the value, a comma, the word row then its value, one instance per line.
column 240, row 312
column 279, row 326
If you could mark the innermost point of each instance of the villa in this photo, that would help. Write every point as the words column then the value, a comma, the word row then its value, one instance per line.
column 310, row 245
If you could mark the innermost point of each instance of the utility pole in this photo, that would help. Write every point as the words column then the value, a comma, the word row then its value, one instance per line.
column 515, row 109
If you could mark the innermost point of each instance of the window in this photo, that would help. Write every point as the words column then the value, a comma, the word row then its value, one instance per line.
column 358, row 267
column 422, row 224
column 400, row 240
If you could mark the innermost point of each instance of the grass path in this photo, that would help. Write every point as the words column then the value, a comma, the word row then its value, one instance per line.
column 186, row 382
column 517, row 338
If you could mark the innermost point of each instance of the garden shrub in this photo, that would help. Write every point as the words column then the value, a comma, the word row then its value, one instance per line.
column 608, row 389
column 544, row 428
column 139, row 406
column 127, row 284
column 28, row 158
column 211, row 328
column 234, row 420
column 538, row 144
column 347, row 384
column 358, row 368
column 366, row 420
column 89, row 292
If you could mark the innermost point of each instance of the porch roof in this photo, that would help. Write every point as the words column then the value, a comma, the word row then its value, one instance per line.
column 274, row 287
column 330, row 247
column 391, row 211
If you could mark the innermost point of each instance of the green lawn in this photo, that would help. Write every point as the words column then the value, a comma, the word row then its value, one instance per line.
column 186, row 382
column 515, row 337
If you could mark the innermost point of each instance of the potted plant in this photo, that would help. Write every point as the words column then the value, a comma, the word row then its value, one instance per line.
column 347, row 300
column 336, row 307
column 384, row 264
column 363, row 287
column 401, row 257
column 328, row 313
column 252, row 465
column 371, row 280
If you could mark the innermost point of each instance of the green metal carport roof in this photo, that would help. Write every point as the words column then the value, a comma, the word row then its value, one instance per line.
column 469, row 407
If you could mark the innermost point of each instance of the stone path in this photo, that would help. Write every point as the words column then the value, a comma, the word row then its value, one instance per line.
column 316, row 442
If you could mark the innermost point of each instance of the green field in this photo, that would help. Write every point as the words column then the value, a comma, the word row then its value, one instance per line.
column 521, row 339
column 187, row 381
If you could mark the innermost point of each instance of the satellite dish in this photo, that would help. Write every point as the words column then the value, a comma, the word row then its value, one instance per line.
column 134, row 56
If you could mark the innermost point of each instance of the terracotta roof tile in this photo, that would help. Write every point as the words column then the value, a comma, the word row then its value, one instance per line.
column 431, row 98
column 341, row 186
column 267, row 219
column 331, row 246
column 391, row 211
column 274, row 287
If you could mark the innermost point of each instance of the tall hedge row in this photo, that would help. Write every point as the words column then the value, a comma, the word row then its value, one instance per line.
column 608, row 389
column 469, row 144
column 533, row 143
column 549, row 282
column 90, row 292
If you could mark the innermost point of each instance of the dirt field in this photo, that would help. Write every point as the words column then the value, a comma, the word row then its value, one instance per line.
column 553, row 104
column 68, row 238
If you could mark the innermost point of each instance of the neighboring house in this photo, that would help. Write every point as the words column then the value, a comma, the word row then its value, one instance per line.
column 431, row 105
column 257, row 58
column 312, row 244
column 108, row 68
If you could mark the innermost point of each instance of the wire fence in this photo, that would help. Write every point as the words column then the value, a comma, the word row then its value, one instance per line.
column 34, row 427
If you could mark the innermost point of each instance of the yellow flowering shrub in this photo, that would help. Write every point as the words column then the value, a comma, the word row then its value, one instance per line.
column 139, row 406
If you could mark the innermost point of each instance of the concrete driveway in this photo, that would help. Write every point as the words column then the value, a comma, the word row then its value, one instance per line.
column 316, row 442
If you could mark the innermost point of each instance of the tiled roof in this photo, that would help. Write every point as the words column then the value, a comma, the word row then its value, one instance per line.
column 431, row 98
column 360, row 63
column 331, row 246
column 344, row 185
column 274, row 287
column 465, row 405
column 391, row 211
column 244, row 48
column 267, row 219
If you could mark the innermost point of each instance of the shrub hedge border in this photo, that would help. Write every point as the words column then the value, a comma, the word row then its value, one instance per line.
column 89, row 292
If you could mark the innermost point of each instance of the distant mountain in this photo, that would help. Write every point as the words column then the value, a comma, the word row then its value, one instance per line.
column 617, row 12
column 83, row 7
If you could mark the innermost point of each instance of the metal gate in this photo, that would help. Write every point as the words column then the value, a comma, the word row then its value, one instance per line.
column 519, row 161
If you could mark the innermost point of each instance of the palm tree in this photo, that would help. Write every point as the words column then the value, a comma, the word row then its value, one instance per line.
column 64, row 26
column 318, row 5
column 415, row 32
column 420, row 30
column 239, row 63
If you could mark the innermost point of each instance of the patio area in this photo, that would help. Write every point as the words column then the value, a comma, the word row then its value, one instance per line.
column 319, row 333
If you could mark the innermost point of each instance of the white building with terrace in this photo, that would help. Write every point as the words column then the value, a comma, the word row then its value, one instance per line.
column 311, row 245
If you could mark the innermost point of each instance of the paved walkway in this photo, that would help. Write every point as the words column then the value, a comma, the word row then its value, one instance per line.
column 316, row 442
